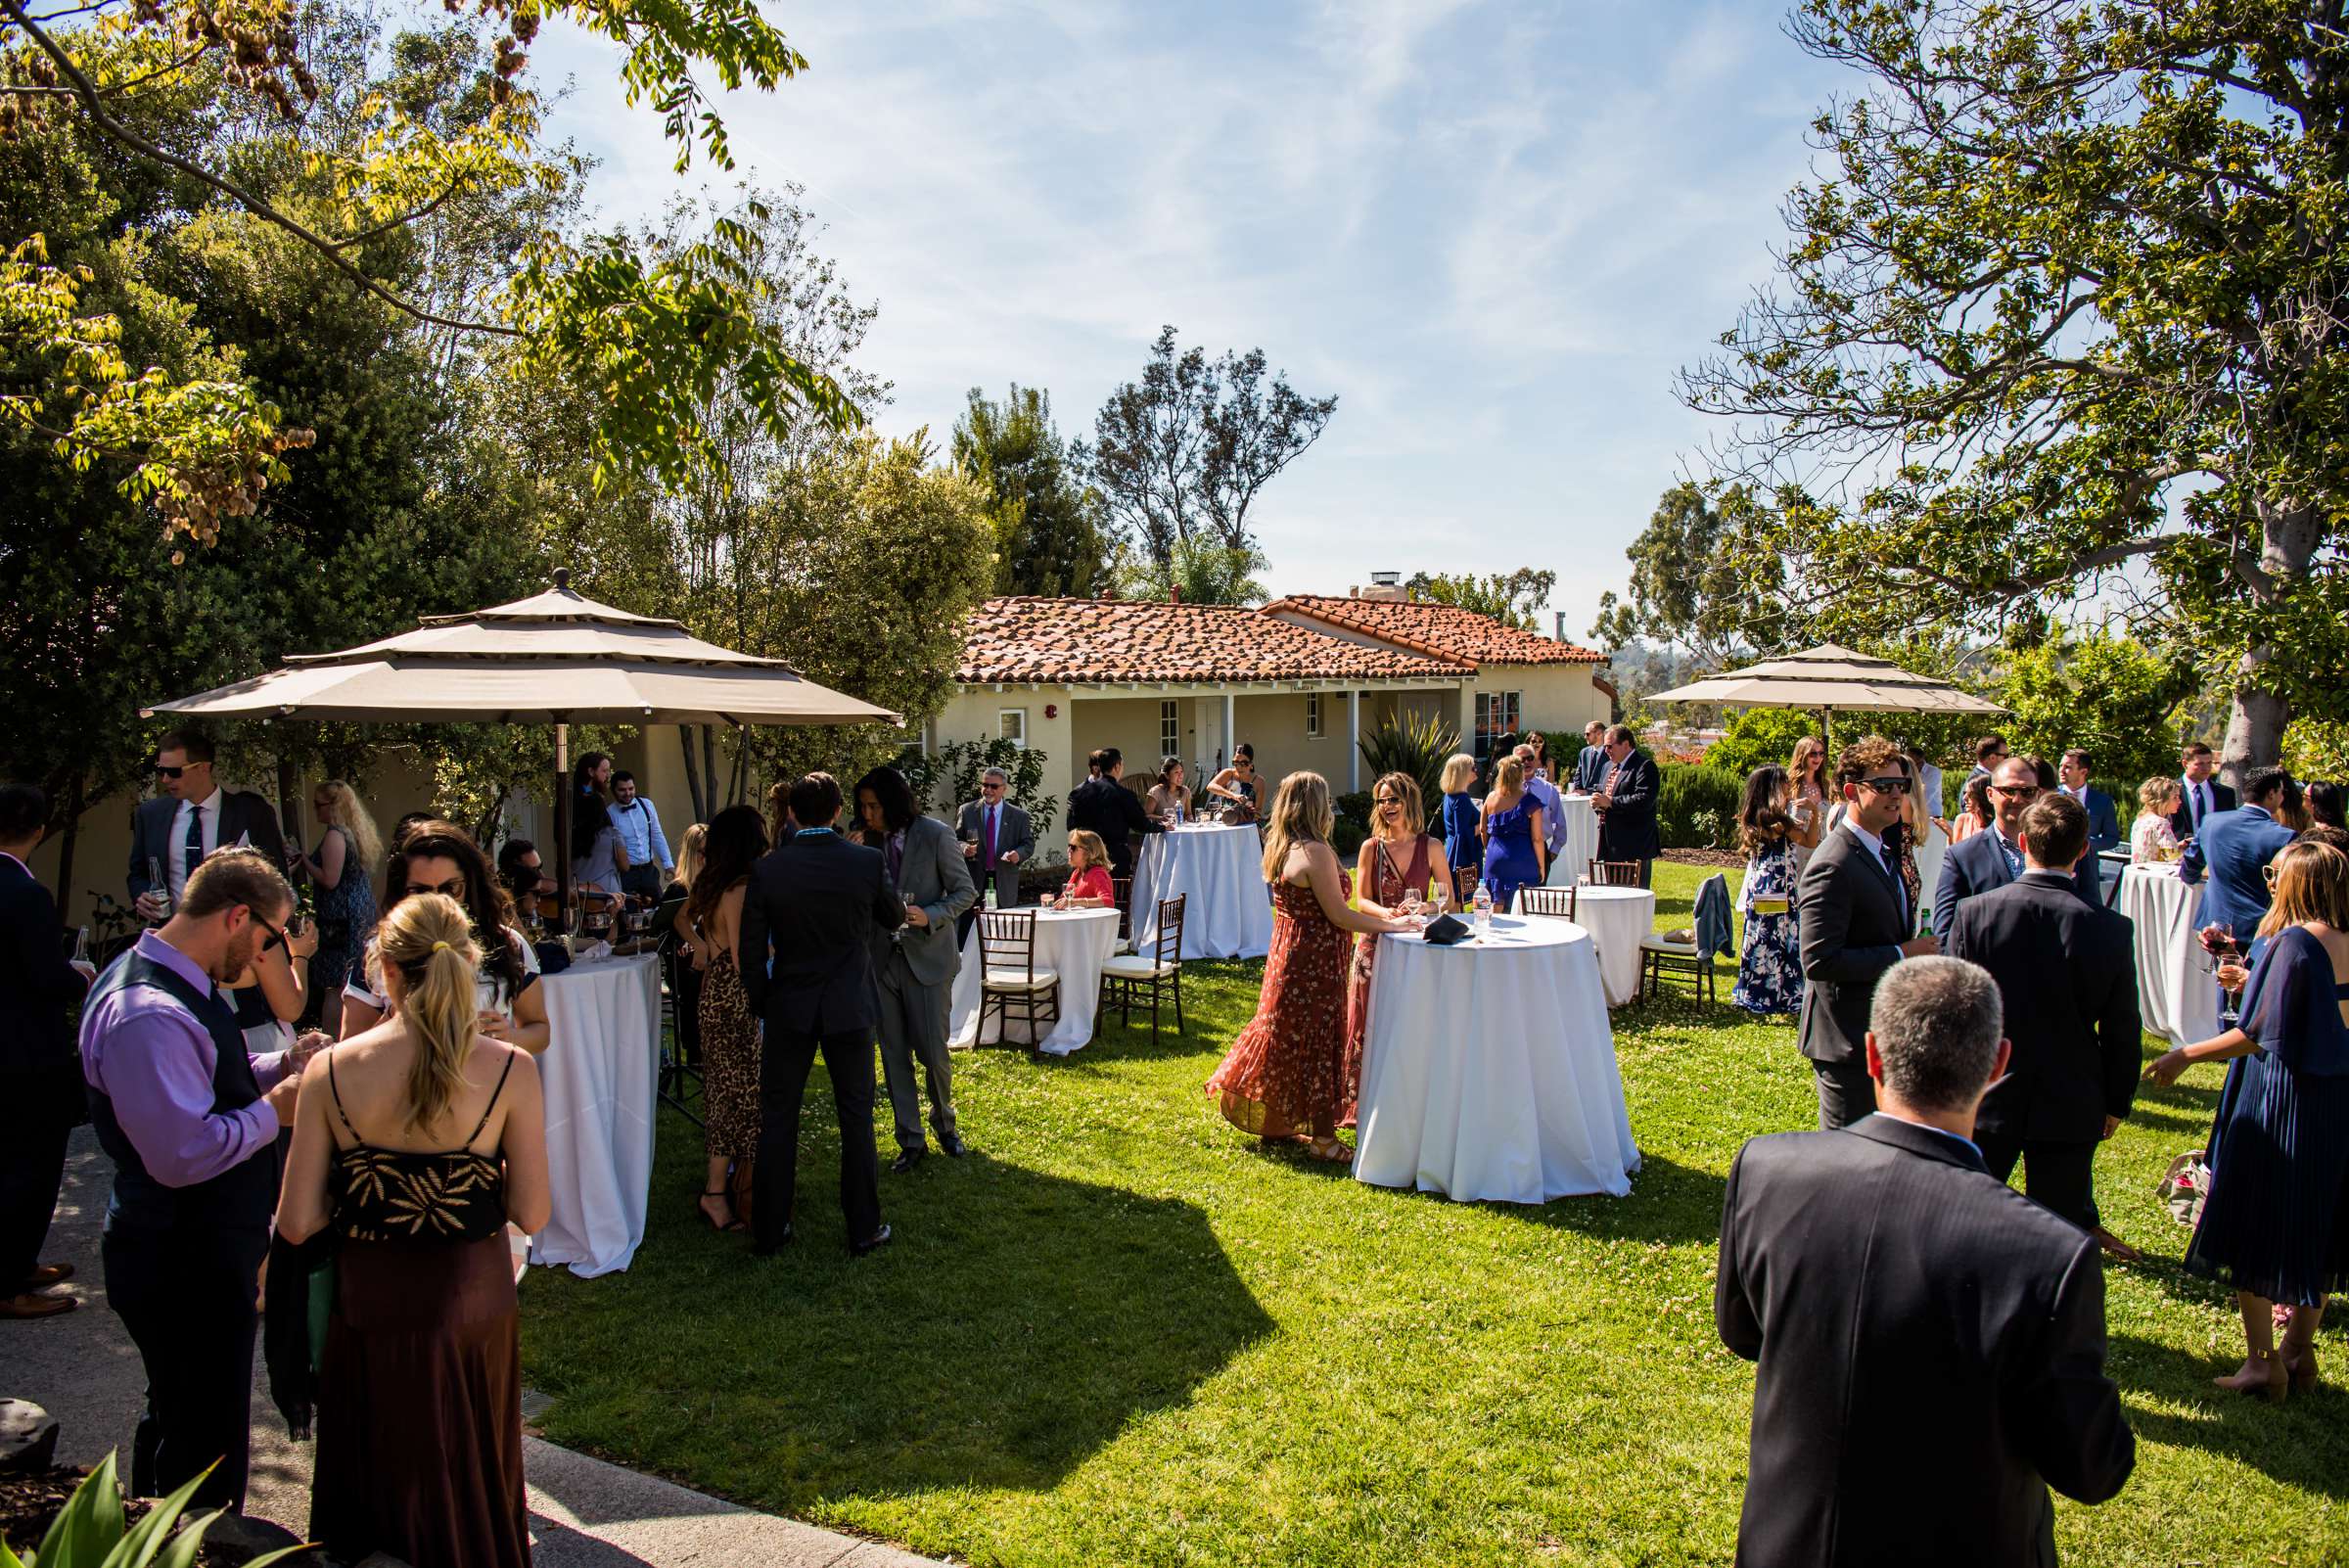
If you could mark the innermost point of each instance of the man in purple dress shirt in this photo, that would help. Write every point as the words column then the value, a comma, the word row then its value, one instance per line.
column 191, row 1121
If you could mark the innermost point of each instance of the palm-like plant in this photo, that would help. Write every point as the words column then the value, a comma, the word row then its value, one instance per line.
column 1417, row 747
column 89, row 1531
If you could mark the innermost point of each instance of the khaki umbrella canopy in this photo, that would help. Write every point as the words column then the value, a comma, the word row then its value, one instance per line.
column 555, row 658
column 1829, row 677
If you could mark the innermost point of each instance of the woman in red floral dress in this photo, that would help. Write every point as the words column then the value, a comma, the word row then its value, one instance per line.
column 1285, row 1075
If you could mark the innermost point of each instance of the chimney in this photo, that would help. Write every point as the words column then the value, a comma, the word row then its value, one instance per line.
column 1354, row 592
column 1386, row 587
column 1560, row 635
column 1175, row 593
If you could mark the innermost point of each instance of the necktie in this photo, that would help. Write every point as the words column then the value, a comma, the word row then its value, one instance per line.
column 195, row 843
column 2202, row 802
column 987, row 843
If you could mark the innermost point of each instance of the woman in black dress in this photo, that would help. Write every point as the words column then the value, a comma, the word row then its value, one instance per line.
column 2275, row 1226
column 416, row 1142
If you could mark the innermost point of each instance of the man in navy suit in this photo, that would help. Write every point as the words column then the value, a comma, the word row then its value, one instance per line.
column 2103, row 823
column 1995, row 858
column 2234, row 848
column 41, row 1071
column 1592, row 766
column 2199, row 794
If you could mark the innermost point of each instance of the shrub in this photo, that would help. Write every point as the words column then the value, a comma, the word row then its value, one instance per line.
column 1760, row 735
column 952, row 771
column 89, row 1531
column 1351, row 812
column 1417, row 748
column 1697, row 808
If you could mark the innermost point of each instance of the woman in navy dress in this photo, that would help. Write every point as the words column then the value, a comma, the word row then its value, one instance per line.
column 1770, row 960
column 1463, row 849
column 1512, row 828
column 2275, row 1226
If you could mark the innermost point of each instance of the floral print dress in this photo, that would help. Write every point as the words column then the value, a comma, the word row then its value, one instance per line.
column 1287, row 1069
column 1770, row 963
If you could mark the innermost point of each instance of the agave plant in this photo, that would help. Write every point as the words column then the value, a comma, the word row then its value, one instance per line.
column 1415, row 747
column 89, row 1532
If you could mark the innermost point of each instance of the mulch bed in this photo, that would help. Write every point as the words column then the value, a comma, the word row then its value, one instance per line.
column 1704, row 857
column 28, row 1503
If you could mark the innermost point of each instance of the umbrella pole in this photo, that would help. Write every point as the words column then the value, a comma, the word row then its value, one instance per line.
column 562, row 843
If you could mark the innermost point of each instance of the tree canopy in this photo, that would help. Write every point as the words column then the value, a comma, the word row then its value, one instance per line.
column 1047, row 522
column 2063, row 314
column 1696, row 583
column 1512, row 598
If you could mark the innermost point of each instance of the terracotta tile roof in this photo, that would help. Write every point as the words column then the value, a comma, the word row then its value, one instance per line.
column 1441, row 630
column 1024, row 638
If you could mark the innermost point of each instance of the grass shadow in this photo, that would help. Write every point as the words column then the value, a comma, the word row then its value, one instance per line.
column 2304, row 1443
column 1669, row 1203
column 1019, row 1322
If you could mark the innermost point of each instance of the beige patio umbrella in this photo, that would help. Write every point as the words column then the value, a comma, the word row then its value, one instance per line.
column 1827, row 677
column 555, row 658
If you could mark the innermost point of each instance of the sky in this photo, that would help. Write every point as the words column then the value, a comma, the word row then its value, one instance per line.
column 1493, row 232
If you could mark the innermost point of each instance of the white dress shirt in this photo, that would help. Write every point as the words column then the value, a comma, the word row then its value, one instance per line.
column 175, row 862
column 639, row 825
column 2199, row 800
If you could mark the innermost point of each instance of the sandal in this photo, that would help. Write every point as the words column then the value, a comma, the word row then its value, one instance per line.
column 734, row 1223
column 1330, row 1151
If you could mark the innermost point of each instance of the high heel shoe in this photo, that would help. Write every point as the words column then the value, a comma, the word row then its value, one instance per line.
column 2301, row 1370
column 2262, row 1376
column 734, row 1224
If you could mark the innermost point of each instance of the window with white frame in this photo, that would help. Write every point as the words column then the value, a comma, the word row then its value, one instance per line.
column 1170, row 729
column 1313, row 716
column 1497, row 714
column 1012, row 725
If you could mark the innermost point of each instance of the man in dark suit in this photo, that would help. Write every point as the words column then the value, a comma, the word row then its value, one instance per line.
column 2104, row 822
column 2235, row 849
column 998, row 839
column 193, row 817
column 819, row 902
column 1104, row 805
column 1993, row 859
column 41, row 1071
column 1592, row 766
column 2200, row 794
column 1625, row 803
column 1930, row 1343
column 1854, row 916
column 2067, row 977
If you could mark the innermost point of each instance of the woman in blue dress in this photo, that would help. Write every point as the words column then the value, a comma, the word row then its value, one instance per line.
column 1512, row 828
column 1464, row 850
column 2275, row 1226
column 1770, row 963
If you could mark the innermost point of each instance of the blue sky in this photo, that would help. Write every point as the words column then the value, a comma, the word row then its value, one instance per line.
column 1494, row 231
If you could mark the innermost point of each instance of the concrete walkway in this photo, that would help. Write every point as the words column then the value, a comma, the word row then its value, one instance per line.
column 584, row 1513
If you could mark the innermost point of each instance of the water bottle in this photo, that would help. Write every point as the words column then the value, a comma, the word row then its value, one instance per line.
column 990, row 895
column 82, row 954
column 1484, row 906
column 163, row 889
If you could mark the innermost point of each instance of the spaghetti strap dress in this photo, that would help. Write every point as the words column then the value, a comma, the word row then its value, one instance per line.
column 420, row 1389
column 1389, row 881
column 2276, row 1221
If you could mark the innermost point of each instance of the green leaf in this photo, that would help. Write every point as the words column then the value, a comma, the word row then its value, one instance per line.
column 146, row 1539
column 90, row 1524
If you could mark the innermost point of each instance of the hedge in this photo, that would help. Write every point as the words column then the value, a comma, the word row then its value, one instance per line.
column 1696, row 807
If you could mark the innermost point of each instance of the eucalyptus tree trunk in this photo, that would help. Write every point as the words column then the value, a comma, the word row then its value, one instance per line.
column 2289, row 533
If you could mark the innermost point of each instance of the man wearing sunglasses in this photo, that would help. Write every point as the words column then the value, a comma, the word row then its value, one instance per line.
column 193, row 818
column 1995, row 858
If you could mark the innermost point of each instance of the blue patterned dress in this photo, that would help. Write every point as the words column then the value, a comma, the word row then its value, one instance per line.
column 1770, row 963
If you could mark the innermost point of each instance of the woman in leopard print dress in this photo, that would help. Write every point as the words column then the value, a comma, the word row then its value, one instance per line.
column 712, row 923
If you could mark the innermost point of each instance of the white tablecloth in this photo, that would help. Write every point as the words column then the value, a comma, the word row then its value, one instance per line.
column 602, row 1056
column 2176, row 996
column 1618, row 919
column 1220, row 868
column 1075, row 942
column 1488, row 1070
column 1582, row 843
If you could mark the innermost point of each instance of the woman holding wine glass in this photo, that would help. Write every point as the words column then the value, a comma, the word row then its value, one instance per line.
column 1398, row 866
column 1237, row 786
column 1089, row 884
column 2275, row 1226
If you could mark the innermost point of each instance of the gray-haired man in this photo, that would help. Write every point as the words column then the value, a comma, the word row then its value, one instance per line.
column 997, row 840
column 1931, row 1343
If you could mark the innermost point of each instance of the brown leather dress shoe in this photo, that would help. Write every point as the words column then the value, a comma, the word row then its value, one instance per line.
column 29, row 1305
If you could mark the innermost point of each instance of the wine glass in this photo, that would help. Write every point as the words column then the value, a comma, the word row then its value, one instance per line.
column 1443, row 898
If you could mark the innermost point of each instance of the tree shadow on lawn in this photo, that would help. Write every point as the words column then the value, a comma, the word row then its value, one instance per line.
column 1018, row 1323
column 2303, row 1443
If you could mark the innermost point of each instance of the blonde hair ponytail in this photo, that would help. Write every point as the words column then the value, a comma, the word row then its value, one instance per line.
column 428, row 939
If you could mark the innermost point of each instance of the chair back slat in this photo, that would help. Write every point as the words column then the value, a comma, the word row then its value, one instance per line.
column 1170, row 928
column 1557, row 903
column 1615, row 873
column 1007, row 939
column 1121, row 889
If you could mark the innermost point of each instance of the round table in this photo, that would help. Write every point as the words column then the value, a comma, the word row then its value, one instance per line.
column 1220, row 870
column 602, row 1057
column 1074, row 942
column 1488, row 1070
column 1582, row 843
column 1618, row 919
column 2177, row 995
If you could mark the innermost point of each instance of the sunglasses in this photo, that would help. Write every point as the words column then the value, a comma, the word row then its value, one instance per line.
column 1887, row 786
column 992, row 784
column 161, row 771
column 2015, row 791
column 2269, row 872
column 277, row 938
column 454, row 887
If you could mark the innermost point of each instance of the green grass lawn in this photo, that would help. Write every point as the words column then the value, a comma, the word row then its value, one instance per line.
column 1120, row 1333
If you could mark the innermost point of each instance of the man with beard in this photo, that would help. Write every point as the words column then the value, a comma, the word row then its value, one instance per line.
column 190, row 1121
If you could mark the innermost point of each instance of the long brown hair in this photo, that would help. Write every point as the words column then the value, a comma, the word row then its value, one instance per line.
column 1301, row 815
column 429, row 940
column 734, row 845
column 2311, row 886
column 1407, row 791
column 486, row 902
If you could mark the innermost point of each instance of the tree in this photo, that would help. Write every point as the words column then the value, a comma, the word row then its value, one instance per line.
column 2109, row 696
column 198, row 446
column 1512, row 598
column 1048, row 524
column 1696, row 583
column 1760, row 735
column 2068, row 318
column 1183, row 454
column 1202, row 572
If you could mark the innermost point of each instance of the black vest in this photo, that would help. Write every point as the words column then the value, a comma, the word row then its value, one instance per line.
column 241, row 1195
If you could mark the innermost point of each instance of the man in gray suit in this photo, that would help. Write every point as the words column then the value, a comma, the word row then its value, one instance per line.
column 998, row 839
column 913, row 966
column 1853, row 912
